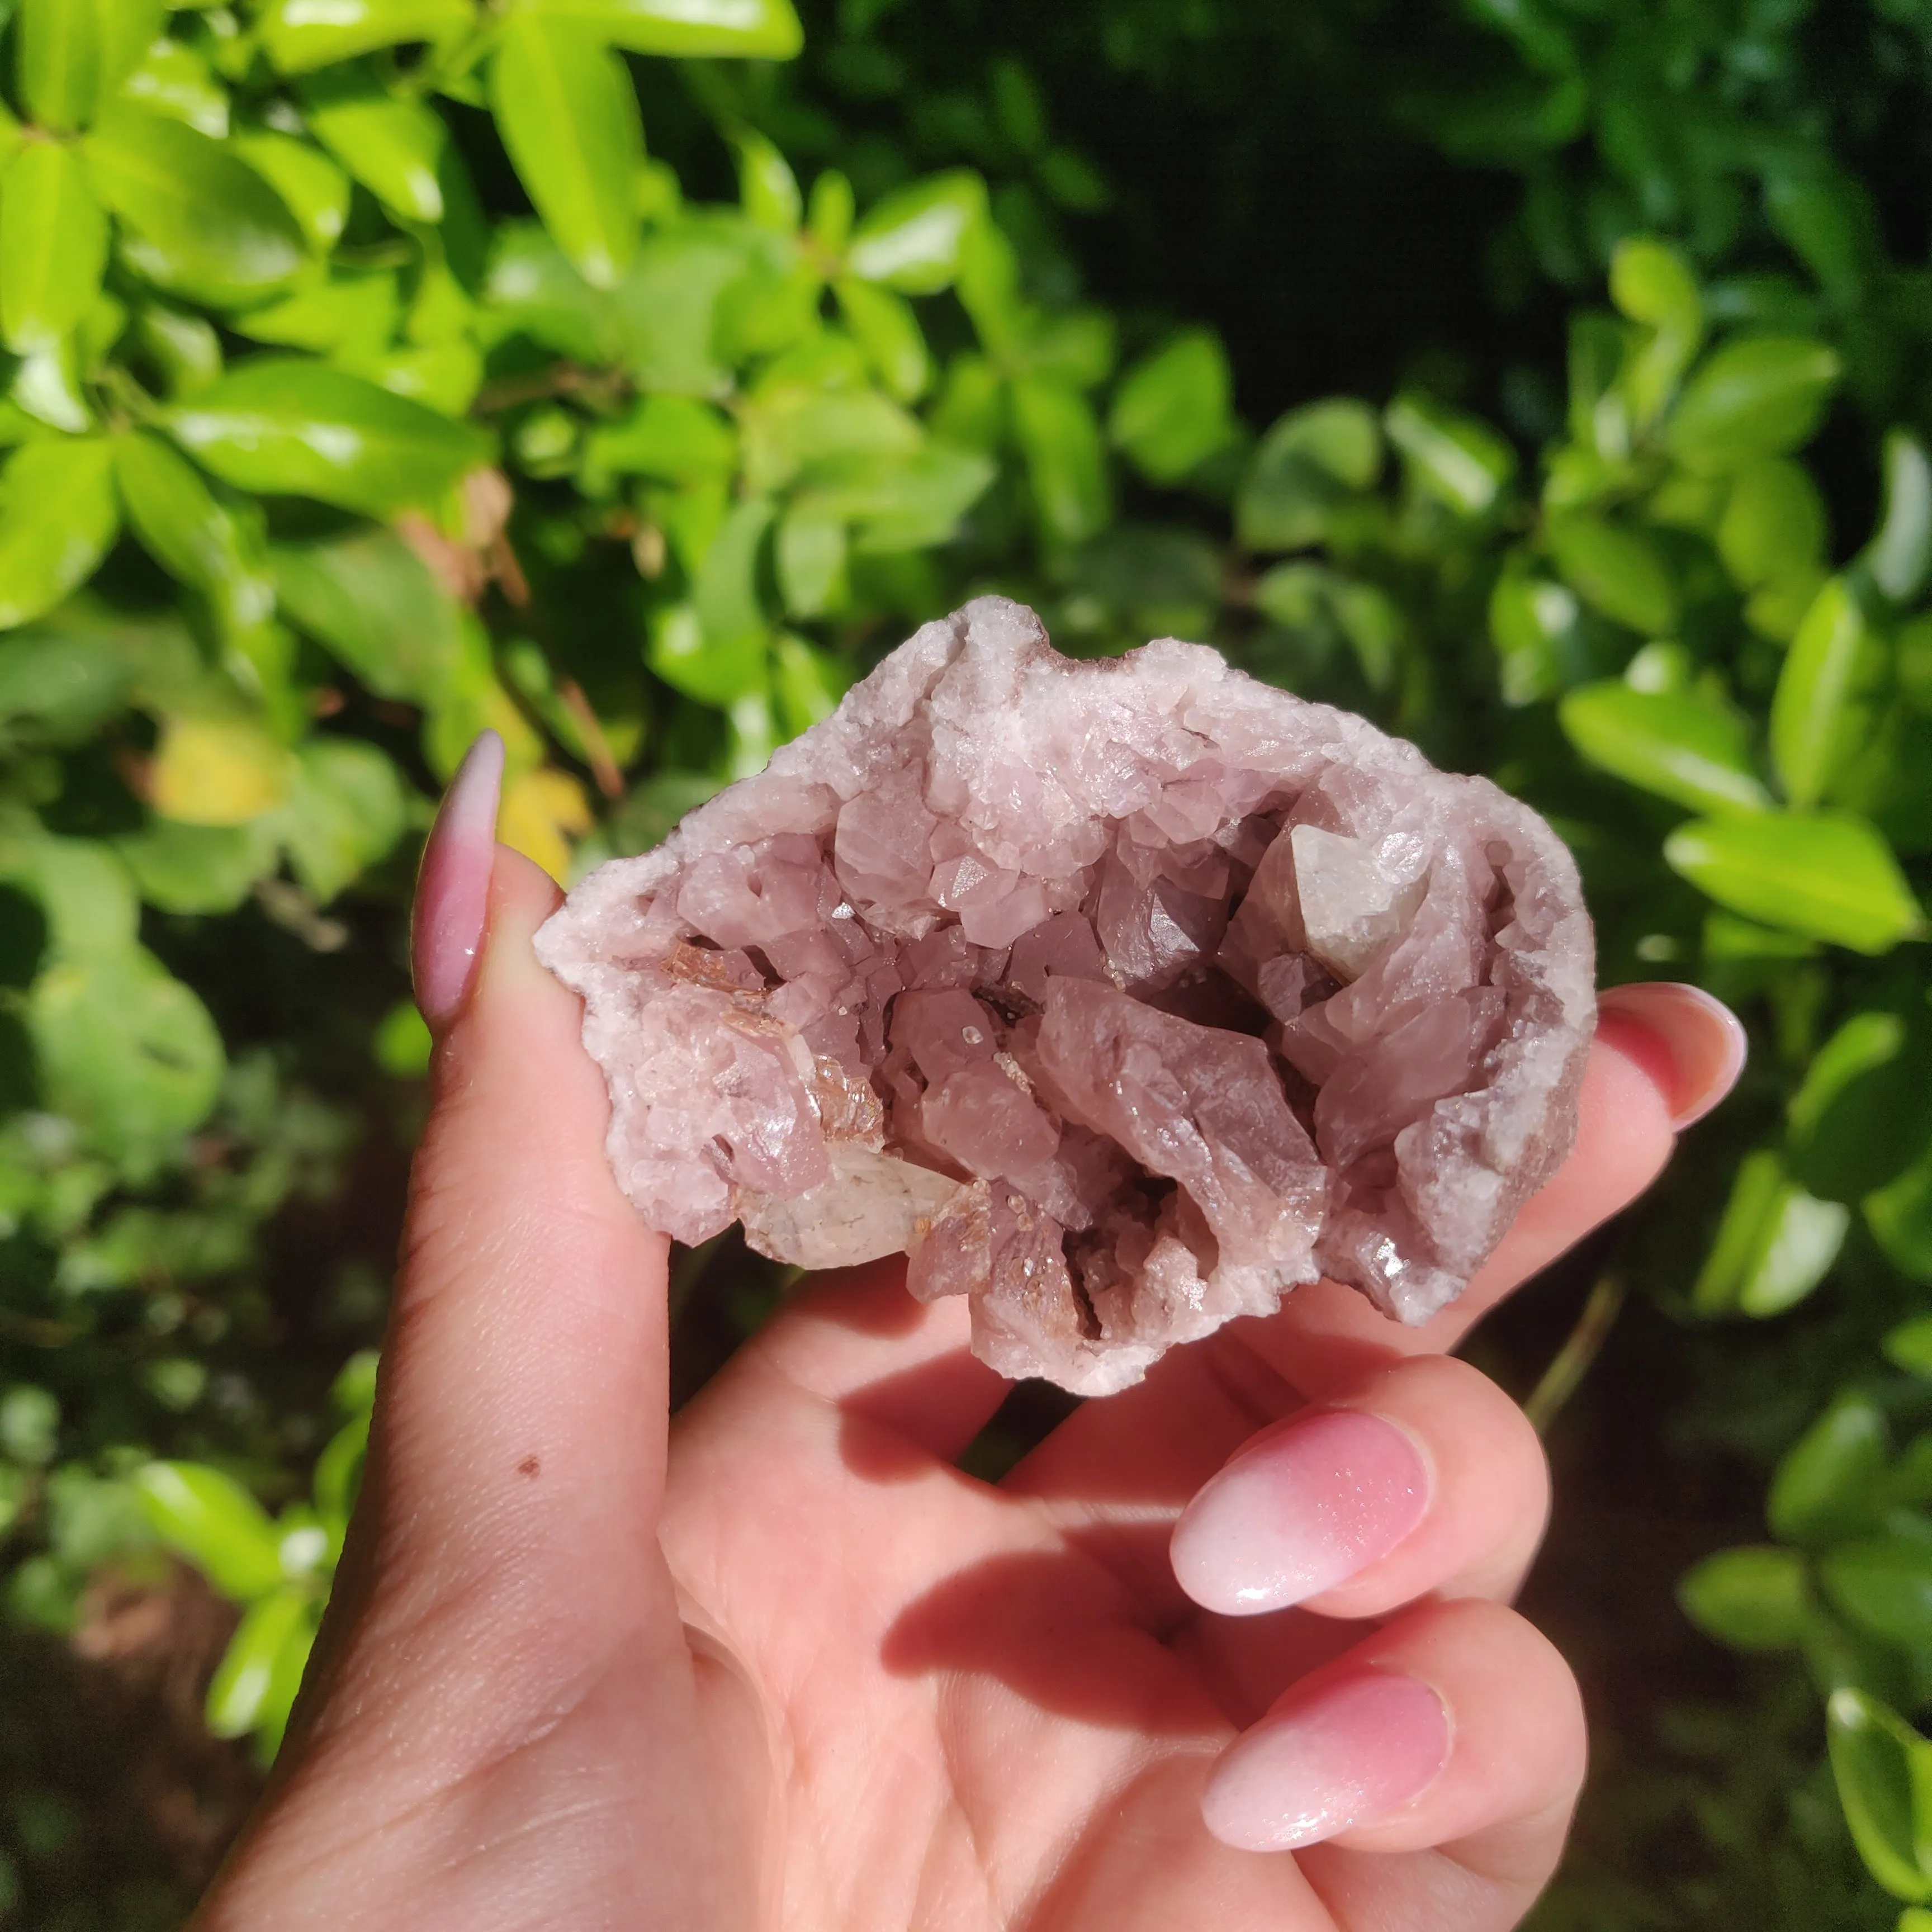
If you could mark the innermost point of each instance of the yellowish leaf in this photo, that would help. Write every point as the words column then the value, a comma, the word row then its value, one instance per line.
column 542, row 811
column 218, row 771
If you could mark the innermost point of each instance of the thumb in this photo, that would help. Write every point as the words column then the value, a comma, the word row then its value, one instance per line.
column 520, row 1418
column 523, row 1401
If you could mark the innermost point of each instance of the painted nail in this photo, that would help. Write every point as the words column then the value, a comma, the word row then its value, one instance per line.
column 453, row 883
column 1300, row 1511
column 1348, row 1754
column 1692, row 1045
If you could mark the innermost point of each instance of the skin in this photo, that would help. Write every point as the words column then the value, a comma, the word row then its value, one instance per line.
column 776, row 1663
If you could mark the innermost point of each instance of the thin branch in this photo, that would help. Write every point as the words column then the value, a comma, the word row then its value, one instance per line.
column 1572, row 1361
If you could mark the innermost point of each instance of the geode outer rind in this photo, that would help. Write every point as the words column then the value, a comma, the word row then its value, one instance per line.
column 1124, row 996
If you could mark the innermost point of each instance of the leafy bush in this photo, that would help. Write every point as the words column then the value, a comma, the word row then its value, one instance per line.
column 367, row 382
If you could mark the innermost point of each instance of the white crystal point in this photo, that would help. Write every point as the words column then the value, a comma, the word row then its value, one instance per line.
column 1122, row 995
column 1351, row 907
column 873, row 1205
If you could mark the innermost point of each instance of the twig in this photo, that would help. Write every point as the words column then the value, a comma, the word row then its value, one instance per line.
column 561, row 379
column 596, row 747
column 1572, row 1361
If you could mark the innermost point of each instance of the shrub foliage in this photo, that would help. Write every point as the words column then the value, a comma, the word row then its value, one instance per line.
column 368, row 382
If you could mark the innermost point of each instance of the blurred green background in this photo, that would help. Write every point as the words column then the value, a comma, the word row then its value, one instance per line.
column 1548, row 380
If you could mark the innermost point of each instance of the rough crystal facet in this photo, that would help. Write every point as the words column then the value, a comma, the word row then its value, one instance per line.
column 1123, row 997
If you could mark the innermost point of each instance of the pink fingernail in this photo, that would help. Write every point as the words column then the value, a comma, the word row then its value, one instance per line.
column 1301, row 1510
column 1348, row 1754
column 1692, row 1045
column 453, row 883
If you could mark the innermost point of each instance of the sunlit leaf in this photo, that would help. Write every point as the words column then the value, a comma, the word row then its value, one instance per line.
column 1829, row 875
column 203, row 221
column 58, row 516
column 568, row 114
column 749, row 29
column 284, row 427
column 53, row 245
column 1679, row 744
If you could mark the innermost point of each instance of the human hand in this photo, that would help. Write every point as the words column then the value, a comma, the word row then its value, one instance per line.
column 778, row 1663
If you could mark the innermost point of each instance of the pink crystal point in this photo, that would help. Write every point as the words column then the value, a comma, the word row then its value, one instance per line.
column 1122, row 996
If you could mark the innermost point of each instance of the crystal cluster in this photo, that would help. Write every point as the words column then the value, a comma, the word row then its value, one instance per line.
column 1121, row 996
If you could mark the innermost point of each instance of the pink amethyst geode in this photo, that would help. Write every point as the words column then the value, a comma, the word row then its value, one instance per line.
column 1121, row 996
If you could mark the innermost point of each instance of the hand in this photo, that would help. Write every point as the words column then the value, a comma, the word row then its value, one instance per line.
column 778, row 1663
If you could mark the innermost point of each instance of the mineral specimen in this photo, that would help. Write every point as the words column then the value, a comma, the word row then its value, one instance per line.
column 1122, row 996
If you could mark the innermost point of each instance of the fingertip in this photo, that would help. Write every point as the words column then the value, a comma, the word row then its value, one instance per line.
column 1690, row 1043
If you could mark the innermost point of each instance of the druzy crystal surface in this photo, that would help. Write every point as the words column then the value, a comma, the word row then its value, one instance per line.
column 1121, row 996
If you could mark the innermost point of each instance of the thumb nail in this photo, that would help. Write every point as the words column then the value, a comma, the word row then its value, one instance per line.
column 1692, row 1045
column 453, row 883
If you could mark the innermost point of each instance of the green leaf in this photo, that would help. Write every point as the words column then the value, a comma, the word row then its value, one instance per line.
column 675, row 438
column 1067, row 464
column 187, row 533
column 71, row 56
column 1171, row 411
column 203, row 222
column 1535, row 624
column 812, row 550
column 371, row 602
column 1618, row 571
column 174, row 78
column 255, row 1683
column 345, row 810
column 315, row 190
column 1757, row 397
column 53, row 246
column 185, row 349
column 1309, row 461
column 1899, row 1216
column 1880, row 1765
column 198, row 868
column 1820, row 713
column 807, row 682
column 680, row 653
column 1884, row 1586
column 1773, row 524
column 1899, row 556
column 212, row 1521
column 1679, row 744
column 126, row 1052
column 1773, row 1246
column 913, row 239
column 285, row 427
column 747, row 29
column 899, row 501
column 85, row 891
column 725, row 593
column 390, row 144
column 1752, row 1599
column 1826, row 1482
column 56, row 689
column 1909, row 1346
column 298, row 35
column 767, row 188
column 57, row 517
column 888, row 331
column 1829, row 875
column 1652, row 284
column 1454, row 458
column 338, row 1469
column 1863, row 1113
